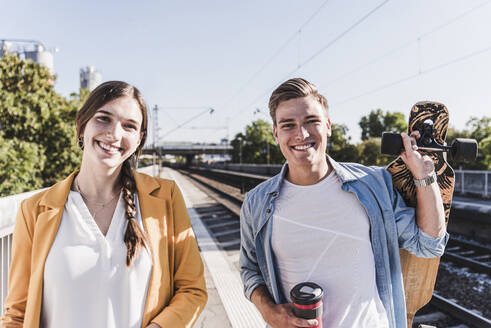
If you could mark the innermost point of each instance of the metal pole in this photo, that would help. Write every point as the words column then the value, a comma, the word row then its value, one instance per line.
column 155, row 123
column 486, row 184
column 240, row 151
column 462, row 182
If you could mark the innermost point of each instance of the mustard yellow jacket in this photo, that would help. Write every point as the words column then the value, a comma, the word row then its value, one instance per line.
column 176, row 292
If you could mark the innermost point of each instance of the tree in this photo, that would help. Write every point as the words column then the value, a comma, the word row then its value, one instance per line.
column 375, row 123
column 339, row 146
column 255, row 144
column 479, row 129
column 369, row 151
column 37, row 125
column 21, row 164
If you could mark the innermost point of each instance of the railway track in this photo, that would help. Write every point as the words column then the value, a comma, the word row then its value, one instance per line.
column 223, row 222
column 468, row 254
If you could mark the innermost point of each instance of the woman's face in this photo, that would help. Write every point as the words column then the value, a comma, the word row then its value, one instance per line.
column 113, row 133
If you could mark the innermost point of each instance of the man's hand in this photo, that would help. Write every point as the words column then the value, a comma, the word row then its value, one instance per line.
column 153, row 325
column 430, row 215
column 277, row 315
column 419, row 165
column 282, row 316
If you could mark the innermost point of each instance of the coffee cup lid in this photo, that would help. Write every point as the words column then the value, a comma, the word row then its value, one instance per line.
column 306, row 293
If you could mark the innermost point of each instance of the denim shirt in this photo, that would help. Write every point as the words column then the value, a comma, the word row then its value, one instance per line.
column 392, row 226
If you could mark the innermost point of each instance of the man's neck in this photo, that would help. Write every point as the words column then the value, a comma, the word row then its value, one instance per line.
column 309, row 174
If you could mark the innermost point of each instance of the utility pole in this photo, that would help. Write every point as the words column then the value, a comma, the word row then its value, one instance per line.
column 156, row 150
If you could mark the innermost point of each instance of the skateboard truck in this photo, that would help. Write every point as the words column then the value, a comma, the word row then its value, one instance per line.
column 462, row 149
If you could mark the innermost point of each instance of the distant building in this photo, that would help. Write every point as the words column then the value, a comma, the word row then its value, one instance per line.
column 41, row 56
column 28, row 49
column 90, row 78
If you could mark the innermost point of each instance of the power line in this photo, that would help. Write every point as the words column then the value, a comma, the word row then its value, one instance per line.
column 410, row 77
column 406, row 44
column 183, row 107
column 465, row 13
column 339, row 37
column 317, row 53
column 278, row 52
column 209, row 110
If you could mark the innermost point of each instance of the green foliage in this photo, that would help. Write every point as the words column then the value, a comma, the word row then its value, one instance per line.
column 21, row 164
column 37, row 124
column 377, row 122
column 485, row 151
column 339, row 146
column 255, row 145
column 369, row 151
column 479, row 129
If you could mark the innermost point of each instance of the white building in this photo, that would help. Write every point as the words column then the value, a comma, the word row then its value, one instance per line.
column 28, row 50
column 90, row 78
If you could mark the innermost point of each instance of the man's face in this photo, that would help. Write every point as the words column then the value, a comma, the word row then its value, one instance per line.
column 302, row 128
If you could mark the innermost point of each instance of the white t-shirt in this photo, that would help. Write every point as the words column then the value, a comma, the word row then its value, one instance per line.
column 321, row 234
column 86, row 280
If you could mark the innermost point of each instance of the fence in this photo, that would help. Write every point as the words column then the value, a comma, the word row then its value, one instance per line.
column 8, row 210
column 473, row 182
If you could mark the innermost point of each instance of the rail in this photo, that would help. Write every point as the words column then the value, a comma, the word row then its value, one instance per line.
column 473, row 182
column 467, row 182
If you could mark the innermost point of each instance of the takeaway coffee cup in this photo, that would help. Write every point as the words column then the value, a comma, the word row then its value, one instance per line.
column 307, row 301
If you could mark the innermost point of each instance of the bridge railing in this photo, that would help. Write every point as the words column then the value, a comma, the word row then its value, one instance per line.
column 467, row 182
column 8, row 211
column 473, row 182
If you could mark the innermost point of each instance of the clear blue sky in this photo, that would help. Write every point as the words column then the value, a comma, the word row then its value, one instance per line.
column 189, row 55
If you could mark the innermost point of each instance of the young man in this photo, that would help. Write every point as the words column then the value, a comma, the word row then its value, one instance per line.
column 339, row 225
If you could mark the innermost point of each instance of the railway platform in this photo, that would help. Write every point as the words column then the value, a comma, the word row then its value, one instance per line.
column 227, row 305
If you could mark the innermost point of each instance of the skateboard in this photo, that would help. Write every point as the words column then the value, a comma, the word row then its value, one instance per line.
column 431, row 120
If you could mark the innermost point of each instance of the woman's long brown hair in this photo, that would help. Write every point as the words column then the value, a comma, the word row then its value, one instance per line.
column 134, row 238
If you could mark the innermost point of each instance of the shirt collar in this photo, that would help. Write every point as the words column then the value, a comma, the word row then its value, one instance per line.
column 344, row 175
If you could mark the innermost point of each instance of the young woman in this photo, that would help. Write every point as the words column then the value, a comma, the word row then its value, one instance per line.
column 106, row 247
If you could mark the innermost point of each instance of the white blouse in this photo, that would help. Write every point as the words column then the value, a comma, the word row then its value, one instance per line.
column 86, row 280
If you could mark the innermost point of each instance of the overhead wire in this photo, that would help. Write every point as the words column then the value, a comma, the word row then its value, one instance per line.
column 317, row 53
column 276, row 53
column 413, row 76
column 408, row 43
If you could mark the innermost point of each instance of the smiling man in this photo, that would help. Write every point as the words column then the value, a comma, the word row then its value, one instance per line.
column 339, row 225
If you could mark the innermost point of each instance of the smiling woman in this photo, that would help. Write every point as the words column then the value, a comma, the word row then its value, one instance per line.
column 107, row 246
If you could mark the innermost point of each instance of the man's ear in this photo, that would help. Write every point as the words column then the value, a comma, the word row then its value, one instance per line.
column 275, row 133
column 329, row 127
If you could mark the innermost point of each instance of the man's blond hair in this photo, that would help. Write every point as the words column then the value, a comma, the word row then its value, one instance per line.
column 292, row 89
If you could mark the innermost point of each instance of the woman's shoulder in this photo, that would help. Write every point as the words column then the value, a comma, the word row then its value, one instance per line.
column 148, row 183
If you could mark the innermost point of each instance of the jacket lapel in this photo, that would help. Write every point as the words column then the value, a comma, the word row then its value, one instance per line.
column 46, row 226
column 153, row 213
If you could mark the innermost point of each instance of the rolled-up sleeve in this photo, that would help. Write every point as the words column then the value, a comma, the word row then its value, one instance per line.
column 249, row 268
column 410, row 236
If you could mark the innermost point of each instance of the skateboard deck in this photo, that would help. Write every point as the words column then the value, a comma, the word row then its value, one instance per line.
column 419, row 274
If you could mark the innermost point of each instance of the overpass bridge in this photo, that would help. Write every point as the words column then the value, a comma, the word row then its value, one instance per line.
column 188, row 150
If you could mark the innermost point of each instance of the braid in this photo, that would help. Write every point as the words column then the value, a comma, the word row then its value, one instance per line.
column 134, row 237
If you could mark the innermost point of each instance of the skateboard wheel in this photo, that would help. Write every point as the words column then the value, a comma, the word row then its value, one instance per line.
column 464, row 149
column 391, row 143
